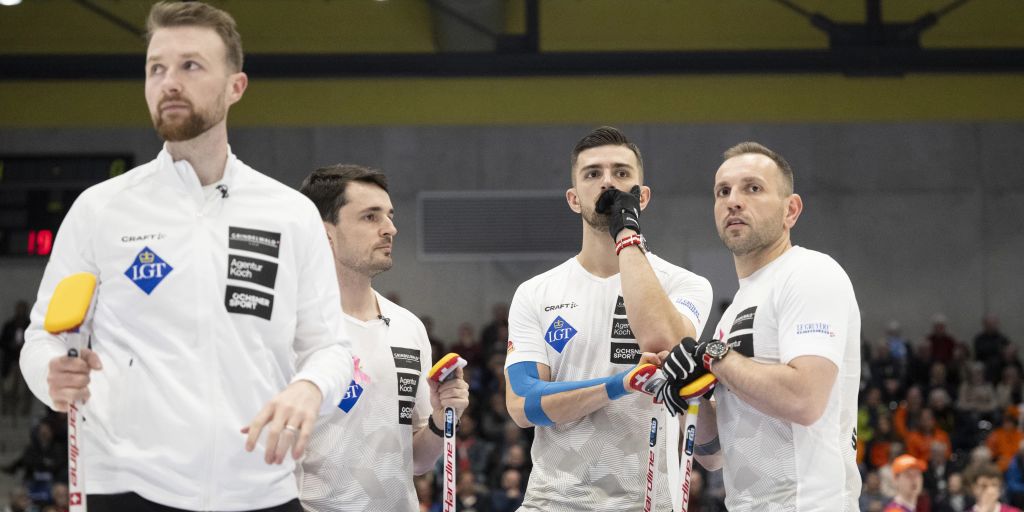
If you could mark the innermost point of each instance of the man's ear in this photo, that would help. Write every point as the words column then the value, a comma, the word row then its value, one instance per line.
column 573, row 199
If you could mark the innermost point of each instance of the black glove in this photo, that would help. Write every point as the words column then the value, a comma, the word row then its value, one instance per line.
column 683, row 367
column 623, row 209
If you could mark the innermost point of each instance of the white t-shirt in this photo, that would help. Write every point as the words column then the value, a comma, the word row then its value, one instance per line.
column 360, row 457
column 575, row 323
column 800, row 304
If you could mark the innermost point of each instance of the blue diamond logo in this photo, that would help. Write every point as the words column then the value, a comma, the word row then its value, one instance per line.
column 559, row 333
column 351, row 396
column 148, row 270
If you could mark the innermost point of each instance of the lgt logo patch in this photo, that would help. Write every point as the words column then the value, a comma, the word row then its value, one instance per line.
column 351, row 396
column 147, row 270
column 559, row 333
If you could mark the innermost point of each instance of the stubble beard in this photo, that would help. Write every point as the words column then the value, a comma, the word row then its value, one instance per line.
column 756, row 240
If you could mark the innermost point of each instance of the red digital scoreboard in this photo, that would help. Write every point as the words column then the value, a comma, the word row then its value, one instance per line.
column 36, row 192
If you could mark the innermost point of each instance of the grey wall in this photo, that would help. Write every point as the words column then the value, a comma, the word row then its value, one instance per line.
column 925, row 217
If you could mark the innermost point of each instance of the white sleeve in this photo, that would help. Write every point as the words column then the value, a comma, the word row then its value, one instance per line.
column 813, row 308
column 692, row 297
column 423, row 408
column 525, row 337
column 322, row 344
column 72, row 253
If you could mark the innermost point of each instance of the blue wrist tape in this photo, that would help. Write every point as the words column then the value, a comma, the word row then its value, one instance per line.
column 526, row 382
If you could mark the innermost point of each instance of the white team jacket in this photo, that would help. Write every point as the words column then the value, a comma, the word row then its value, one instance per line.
column 206, row 307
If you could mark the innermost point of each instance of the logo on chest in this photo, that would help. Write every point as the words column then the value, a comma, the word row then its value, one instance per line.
column 148, row 270
column 559, row 334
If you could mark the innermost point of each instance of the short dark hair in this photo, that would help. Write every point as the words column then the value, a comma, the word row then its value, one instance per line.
column 198, row 14
column 987, row 470
column 744, row 148
column 326, row 186
column 604, row 136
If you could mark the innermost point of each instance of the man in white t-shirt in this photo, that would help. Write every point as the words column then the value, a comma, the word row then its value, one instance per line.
column 576, row 335
column 788, row 359
column 386, row 428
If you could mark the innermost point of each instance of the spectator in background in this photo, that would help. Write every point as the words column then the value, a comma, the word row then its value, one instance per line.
column 467, row 346
column 468, row 496
column 1004, row 441
column 938, row 470
column 955, row 499
column 938, row 378
column 940, row 341
column 942, row 410
column 899, row 346
column 885, row 472
column 16, row 397
column 60, row 497
column 494, row 335
column 494, row 418
column 1015, row 478
column 437, row 345
column 987, row 487
column 870, row 410
column 989, row 344
column 977, row 397
column 919, row 441
column 907, row 471
column 509, row 496
column 871, row 497
column 424, row 485
column 878, row 452
column 907, row 415
column 1008, row 359
column 19, row 501
column 919, row 363
column 44, row 461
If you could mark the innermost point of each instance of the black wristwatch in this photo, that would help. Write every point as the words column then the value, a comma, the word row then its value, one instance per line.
column 714, row 350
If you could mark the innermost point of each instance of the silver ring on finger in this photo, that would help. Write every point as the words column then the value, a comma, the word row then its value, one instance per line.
column 291, row 428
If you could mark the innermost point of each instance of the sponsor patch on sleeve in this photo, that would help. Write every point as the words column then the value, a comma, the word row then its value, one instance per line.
column 691, row 307
column 559, row 334
column 147, row 270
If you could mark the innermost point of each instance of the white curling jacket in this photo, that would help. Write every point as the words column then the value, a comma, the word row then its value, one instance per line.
column 210, row 302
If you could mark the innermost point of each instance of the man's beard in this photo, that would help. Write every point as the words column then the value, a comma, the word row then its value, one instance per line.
column 757, row 239
column 598, row 221
column 371, row 268
column 193, row 125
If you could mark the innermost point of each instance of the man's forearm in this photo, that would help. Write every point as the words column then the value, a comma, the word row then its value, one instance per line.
column 655, row 322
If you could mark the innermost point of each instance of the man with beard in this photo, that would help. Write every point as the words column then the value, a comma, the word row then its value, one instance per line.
column 576, row 335
column 215, row 316
column 788, row 363
column 363, row 456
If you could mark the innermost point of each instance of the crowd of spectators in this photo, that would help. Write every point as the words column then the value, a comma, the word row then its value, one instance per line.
column 955, row 407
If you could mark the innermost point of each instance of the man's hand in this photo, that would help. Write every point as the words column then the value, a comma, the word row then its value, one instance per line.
column 453, row 392
column 686, row 375
column 623, row 210
column 645, row 377
column 289, row 417
column 69, row 378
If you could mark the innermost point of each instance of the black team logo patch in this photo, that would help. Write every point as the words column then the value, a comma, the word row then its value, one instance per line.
column 241, row 268
column 625, row 353
column 254, row 240
column 620, row 306
column 407, row 384
column 406, row 358
column 246, row 301
column 621, row 329
column 405, row 412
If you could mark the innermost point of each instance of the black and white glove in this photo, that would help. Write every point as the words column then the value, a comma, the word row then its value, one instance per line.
column 623, row 209
column 686, row 376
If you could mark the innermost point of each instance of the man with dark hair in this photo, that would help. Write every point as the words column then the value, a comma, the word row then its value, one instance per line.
column 986, row 483
column 363, row 455
column 215, row 316
column 786, row 352
column 576, row 335
column 12, row 386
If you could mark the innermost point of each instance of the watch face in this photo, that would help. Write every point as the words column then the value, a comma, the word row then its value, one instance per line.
column 716, row 349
